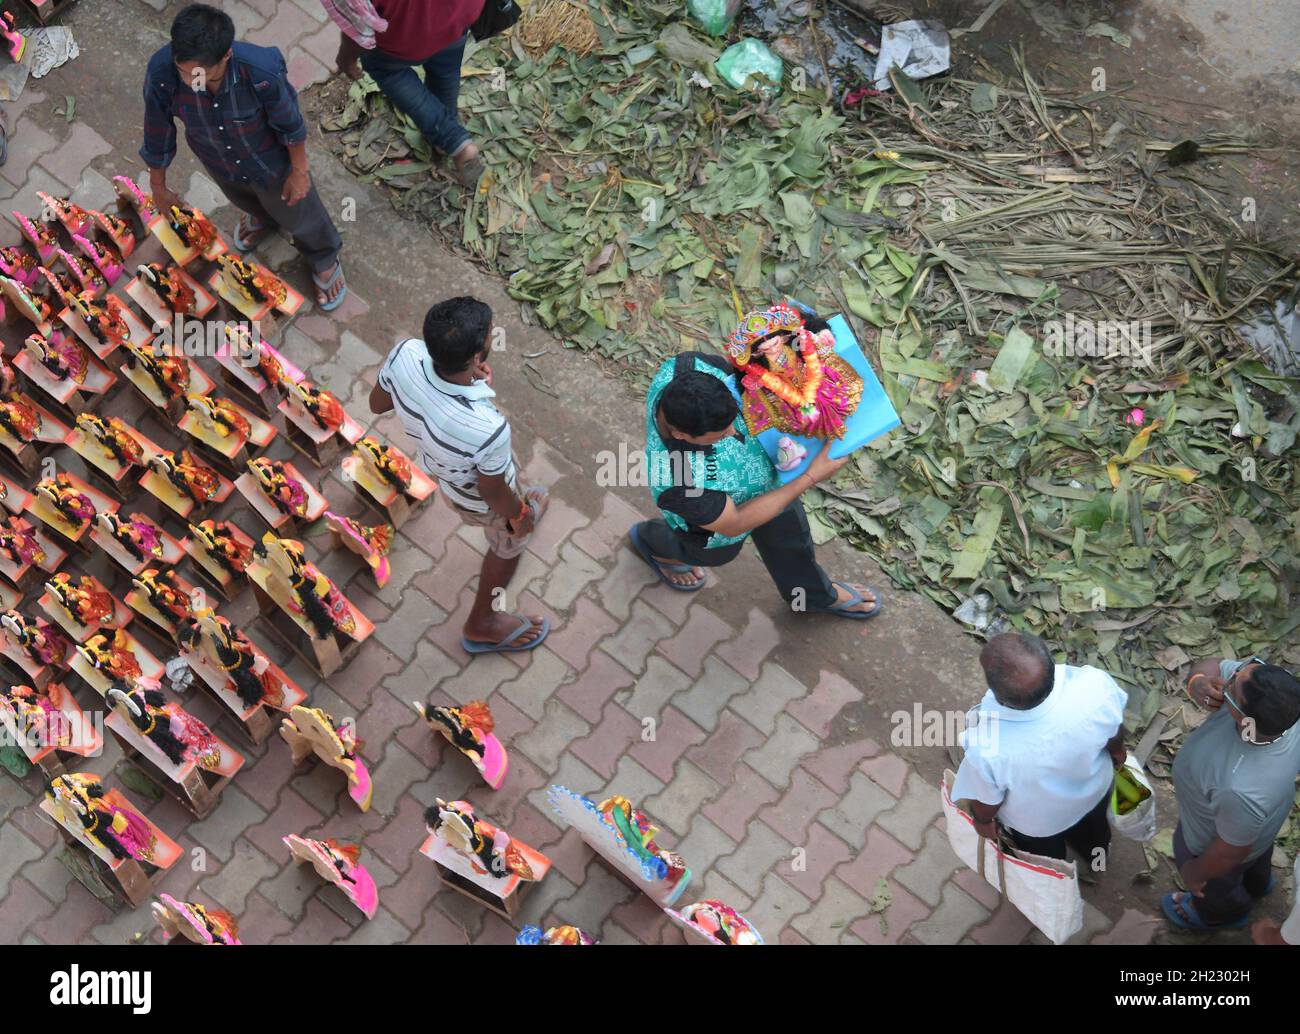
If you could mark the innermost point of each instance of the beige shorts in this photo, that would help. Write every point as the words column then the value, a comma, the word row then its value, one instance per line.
column 501, row 541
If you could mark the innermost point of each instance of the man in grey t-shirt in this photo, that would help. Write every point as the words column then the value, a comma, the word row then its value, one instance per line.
column 1235, row 779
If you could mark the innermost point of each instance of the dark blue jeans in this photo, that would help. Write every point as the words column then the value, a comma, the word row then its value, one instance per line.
column 431, row 104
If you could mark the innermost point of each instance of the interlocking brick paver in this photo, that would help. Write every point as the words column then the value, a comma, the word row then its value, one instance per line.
column 744, row 796
column 761, row 851
column 1007, row 925
column 770, row 694
column 727, row 743
column 72, row 921
column 745, row 653
column 689, row 648
column 704, row 844
column 439, row 928
column 856, row 810
column 681, row 798
column 572, row 573
column 910, row 819
column 794, row 812
column 589, row 692
column 552, row 735
column 832, row 913
column 248, row 867
column 777, row 757
column 609, row 740
column 929, row 871
column 880, row 855
column 16, row 850
column 608, row 532
column 633, row 642
column 1132, row 927
column 818, row 852
column 618, row 589
column 633, row 781
column 578, row 636
column 319, row 925
column 831, row 695
column 672, row 735
column 889, row 770
column 834, row 765
column 952, row 920
column 709, row 694
column 21, row 907
column 530, row 690
column 219, row 831
column 660, row 683
column 892, row 925
column 775, row 906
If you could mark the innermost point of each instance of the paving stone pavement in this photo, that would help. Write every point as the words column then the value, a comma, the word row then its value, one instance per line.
column 786, row 819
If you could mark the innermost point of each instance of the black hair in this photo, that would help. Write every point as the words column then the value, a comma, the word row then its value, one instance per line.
column 1271, row 696
column 1019, row 669
column 698, row 403
column 455, row 331
column 202, row 33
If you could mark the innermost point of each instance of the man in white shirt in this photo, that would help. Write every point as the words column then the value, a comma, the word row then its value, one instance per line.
column 441, row 389
column 1041, row 751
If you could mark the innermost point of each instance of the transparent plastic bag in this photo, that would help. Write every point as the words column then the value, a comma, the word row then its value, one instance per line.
column 714, row 16
column 749, row 58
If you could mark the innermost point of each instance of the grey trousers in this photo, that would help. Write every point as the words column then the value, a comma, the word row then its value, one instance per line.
column 307, row 222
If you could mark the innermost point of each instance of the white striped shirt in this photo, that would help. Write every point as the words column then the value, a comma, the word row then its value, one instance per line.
column 461, row 434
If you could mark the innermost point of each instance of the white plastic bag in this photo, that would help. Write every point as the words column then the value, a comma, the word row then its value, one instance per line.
column 1045, row 890
column 1140, row 823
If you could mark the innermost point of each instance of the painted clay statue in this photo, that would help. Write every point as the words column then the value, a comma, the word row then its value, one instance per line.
column 132, row 196
column 309, row 593
column 257, row 284
column 790, row 377
column 194, row 922
column 84, row 272
column 105, row 322
column 320, row 405
column 245, row 349
column 391, row 467
column 37, row 717
column 228, row 649
column 369, row 541
column 62, row 357
column 338, row 864
column 218, row 416
column 19, row 419
column 54, row 288
column 639, row 833
column 136, row 534
column 73, row 506
column 187, row 475
column 169, row 374
column 312, row 730
column 469, row 730
column 42, row 642
column 110, row 652
column 720, row 922
column 116, row 230
column 125, row 834
column 113, row 436
column 39, row 235
column 230, row 554
column 173, row 730
column 168, row 286
column 19, row 265
column 85, row 601
column 192, row 226
column 163, row 593
column 489, row 849
column 555, row 935
column 105, row 257
column 19, row 544
column 789, row 454
column 285, row 492
column 75, row 219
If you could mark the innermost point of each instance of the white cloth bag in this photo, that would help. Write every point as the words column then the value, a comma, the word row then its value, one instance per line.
column 1140, row 823
column 1045, row 890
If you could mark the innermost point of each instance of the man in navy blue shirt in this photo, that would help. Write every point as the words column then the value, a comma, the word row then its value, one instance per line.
column 242, row 122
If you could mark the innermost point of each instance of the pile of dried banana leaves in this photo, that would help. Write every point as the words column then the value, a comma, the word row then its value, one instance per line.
column 1137, row 509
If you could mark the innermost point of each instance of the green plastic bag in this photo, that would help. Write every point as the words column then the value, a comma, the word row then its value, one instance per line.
column 714, row 16
column 748, row 58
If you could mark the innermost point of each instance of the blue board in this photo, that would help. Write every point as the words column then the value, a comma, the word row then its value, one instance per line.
column 874, row 416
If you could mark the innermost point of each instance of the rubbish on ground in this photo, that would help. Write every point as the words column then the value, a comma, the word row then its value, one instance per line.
column 982, row 20
column 547, row 23
column 49, row 47
column 751, row 59
column 714, row 16
column 919, row 49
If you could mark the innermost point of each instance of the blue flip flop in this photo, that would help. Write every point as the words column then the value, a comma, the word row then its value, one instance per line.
column 507, row 644
column 1196, row 923
column 247, row 244
column 330, row 306
column 643, row 551
column 841, row 609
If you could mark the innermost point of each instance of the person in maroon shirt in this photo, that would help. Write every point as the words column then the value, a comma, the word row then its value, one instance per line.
column 430, row 35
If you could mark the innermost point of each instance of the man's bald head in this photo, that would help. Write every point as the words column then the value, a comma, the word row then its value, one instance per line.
column 1019, row 669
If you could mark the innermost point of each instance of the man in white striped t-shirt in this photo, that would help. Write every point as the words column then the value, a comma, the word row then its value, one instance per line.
column 441, row 389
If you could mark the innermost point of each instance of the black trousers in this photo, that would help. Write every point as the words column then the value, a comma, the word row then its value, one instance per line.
column 1088, row 836
column 308, row 223
column 784, row 543
column 1227, row 898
